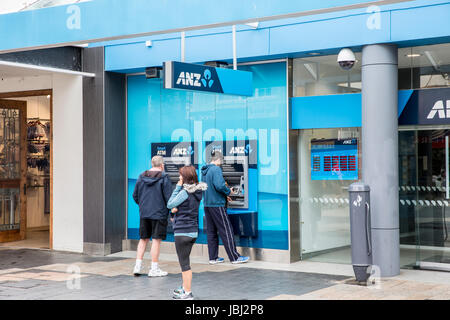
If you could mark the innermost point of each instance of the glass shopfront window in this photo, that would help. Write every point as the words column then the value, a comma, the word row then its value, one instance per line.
column 424, row 67
column 424, row 164
column 321, row 75
column 329, row 161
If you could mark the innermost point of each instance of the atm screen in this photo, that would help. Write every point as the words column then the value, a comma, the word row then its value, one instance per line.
column 234, row 175
column 172, row 167
column 333, row 159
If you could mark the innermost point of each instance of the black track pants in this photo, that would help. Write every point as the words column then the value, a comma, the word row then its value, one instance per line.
column 217, row 221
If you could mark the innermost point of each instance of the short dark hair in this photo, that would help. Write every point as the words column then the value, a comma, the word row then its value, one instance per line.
column 216, row 155
column 189, row 174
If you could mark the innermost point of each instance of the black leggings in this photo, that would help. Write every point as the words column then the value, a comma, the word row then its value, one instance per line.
column 184, row 246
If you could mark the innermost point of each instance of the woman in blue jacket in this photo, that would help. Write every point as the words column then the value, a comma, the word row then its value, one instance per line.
column 184, row 203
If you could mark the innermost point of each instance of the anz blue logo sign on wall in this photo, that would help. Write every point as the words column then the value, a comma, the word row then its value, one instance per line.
column 426, row 107
column 187, row 76
column 195, row 79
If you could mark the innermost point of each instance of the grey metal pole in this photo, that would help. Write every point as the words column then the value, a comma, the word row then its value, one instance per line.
column 380, row 152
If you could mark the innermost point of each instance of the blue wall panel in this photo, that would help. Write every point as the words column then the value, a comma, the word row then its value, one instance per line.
column 332, row 111
column 331, row 33
column 421, row 23
column 138, row 55
column 113, row 18
column 407, row 24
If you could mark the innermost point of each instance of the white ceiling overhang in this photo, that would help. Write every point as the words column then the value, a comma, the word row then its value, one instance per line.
column 14, row 69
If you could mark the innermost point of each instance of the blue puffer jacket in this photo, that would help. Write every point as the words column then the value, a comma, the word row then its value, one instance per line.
column 151, row 193
column 217, row 192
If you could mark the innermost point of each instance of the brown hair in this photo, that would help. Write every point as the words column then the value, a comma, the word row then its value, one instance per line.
column 189, row 175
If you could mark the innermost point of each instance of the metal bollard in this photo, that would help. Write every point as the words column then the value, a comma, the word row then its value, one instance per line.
column 361, row 241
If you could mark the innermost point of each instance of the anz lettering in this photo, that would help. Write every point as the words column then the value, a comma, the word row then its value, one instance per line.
column 180, row 152
column 241, row 150
column 237, row 150
column 189, row 79
column 195, row 79
column 439, row 110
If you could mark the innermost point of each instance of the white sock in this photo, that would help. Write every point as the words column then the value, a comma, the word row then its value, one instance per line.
column 138, row 263
column 185, row 291
column 154, row 265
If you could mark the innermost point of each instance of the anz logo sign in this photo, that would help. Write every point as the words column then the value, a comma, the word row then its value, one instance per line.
column 439, row 110
column 195, row 79
column 183, row 151
column 241, row 150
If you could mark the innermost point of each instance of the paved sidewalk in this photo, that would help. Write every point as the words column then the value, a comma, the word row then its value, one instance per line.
column 40, row 274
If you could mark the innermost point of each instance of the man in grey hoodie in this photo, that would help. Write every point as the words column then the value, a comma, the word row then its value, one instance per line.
column 152, row 192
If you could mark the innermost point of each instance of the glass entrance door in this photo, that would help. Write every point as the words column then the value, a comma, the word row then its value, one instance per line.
column 424, row 196
column 12, row 170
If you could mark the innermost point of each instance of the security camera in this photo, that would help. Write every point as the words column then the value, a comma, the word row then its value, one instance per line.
column 346, row 59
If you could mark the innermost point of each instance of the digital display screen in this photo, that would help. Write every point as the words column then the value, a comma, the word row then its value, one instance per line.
column 333, row 159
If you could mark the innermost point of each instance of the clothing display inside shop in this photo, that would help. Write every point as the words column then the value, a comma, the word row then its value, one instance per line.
column 38, row 157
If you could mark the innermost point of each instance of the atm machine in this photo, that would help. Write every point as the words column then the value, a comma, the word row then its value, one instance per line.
column 175, row 155
column 241, row 175
column 235, row 173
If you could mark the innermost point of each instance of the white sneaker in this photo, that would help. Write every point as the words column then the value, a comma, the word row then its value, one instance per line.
column 137, row 270
column 157, row 273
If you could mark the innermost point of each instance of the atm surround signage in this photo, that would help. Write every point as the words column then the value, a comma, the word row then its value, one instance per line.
column 236, row 148
column 195, row 77
column 176, row 150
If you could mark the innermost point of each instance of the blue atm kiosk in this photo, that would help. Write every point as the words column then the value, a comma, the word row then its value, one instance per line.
column 240, row 171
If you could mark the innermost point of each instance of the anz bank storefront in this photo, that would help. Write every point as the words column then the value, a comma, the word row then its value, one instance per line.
column 303, row 119
column 264, row 82
column 298, row 128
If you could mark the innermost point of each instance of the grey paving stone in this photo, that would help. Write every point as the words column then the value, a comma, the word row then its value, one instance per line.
column 240, row 283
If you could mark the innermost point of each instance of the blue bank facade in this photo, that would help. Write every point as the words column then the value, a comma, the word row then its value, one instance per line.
column 261, row 82
column 305, row 113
